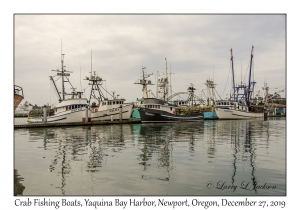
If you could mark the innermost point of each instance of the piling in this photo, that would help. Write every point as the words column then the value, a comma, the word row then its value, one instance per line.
column 45, row 114
column 86, row 114
column 121, row 113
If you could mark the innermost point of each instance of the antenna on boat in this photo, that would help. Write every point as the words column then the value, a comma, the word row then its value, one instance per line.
column 241, row 70
column 213, row 73
column 171, row 80
column 91, row 62
column 80, row 77
column 166, row 85
column 156, row 80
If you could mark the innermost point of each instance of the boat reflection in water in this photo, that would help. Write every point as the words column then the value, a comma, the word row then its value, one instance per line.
column 151, row 159
column 18, row 186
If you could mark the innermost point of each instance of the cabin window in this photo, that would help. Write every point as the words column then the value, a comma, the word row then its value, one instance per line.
column 67, row 108
column 170, row 108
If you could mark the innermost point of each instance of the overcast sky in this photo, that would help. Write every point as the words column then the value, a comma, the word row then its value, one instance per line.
column 197, row 47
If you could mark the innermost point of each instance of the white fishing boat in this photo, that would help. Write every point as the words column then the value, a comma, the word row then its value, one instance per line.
column 68, row 110
column 103, row 108
column 241, row 97
column 23, row 108
column 237, row 113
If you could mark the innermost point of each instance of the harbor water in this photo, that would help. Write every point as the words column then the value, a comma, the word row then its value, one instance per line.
column 230, row 157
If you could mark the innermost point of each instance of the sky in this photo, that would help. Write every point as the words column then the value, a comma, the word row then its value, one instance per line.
column 195, row 47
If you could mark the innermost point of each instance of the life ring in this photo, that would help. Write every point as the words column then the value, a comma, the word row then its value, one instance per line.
column 96, row 110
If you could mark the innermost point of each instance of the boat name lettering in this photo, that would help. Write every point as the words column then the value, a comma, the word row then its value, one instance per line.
column 114, row 109
column 150, row 114
column 65, row 74
column 74, row 110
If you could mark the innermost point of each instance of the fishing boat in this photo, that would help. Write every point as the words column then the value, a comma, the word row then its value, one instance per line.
column 18, row 96
column 23, row 109
column 68, row 110
column 159, row 110
column 103, row 108
column 242, row 108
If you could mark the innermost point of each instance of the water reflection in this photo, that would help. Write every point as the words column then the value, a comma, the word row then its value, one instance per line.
column 18, row 186
column 140, row 154
column 241, row 140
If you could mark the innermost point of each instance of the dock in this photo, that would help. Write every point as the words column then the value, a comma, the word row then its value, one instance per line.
column 77, row 124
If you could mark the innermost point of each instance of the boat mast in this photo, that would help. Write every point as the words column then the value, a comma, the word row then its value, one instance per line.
column 95, row 82
column 145, row 92
column 144, row 82
column 166, row 81
column 249, row 79
column 63, row 73
column 62, row 76
column 233, row 82
column 171, row 80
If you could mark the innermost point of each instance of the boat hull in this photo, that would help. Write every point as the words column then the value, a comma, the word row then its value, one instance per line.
column 149, row 115
column 17, row 100
column 234, row 114
column 70, row 116
column 112, row 114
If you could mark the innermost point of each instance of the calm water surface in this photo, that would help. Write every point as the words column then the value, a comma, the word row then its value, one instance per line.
column 195, row 158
